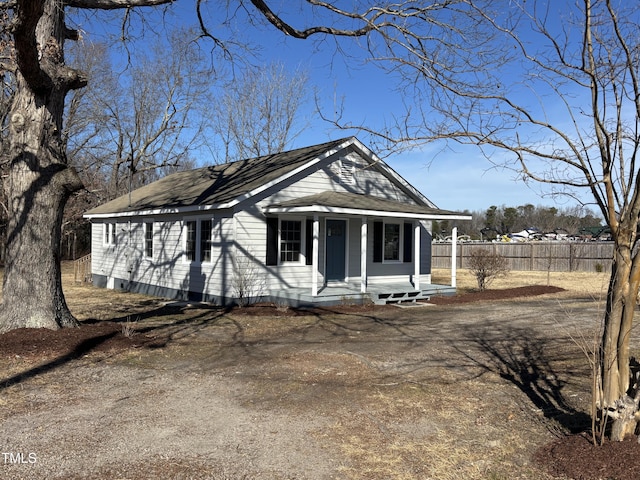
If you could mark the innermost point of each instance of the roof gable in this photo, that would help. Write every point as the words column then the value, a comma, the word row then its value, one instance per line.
column 223, row 186
column 215, row 185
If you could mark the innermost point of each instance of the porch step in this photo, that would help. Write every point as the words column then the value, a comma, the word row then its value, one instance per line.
column 350, row 294
column 383, row 298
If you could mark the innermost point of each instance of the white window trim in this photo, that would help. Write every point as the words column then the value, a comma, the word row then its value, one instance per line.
column 302, row 260
column 198, row 239
column 400, row 241
column 109, row 234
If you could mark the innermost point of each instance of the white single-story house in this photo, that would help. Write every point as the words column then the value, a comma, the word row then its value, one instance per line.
column 326, row 223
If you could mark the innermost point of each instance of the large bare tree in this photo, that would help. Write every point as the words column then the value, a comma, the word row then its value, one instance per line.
column 39, row 180
column 562, row 98
column 549, row 89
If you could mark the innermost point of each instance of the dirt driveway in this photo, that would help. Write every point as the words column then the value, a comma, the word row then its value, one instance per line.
column 433, row 392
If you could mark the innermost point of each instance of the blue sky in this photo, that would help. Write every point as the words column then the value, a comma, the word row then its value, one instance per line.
column 454, row 177
column 457, row 178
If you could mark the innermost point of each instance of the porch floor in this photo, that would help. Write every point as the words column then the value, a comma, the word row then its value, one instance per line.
column 349, row 293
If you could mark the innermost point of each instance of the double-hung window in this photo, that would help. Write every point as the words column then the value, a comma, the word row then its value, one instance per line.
column 290, row 240
column 205, row 240
column 190, row 245
column 109, row 234
column 198, row 236
column 148, row 239
column 391, row 241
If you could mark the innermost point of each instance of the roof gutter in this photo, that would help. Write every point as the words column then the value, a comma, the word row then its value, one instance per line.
column 363, row 213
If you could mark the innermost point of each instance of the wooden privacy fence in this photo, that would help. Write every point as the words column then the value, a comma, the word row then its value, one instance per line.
column 543, row 256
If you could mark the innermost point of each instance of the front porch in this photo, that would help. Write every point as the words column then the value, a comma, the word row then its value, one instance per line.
column 350, row 293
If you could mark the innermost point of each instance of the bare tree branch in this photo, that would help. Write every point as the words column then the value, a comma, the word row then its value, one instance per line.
column 115, row 4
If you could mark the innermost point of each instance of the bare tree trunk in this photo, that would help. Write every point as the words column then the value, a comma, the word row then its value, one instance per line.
column 32, row 291
column 619, row 398
column 39, row 181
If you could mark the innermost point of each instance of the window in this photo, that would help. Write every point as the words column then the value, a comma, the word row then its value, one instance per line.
column 290, row 240
column 190, row 247
column 109, row 233
column 148, row 239
column 198, row 236
column 391, row 241
column 205, row 240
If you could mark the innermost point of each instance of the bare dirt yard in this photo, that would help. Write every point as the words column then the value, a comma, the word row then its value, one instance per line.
column 492, row 385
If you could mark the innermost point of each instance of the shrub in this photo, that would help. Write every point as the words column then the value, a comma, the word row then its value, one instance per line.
column 486, row 266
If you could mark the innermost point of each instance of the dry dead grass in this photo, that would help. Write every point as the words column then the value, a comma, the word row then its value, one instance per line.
column 578, row 284
column 385, row 423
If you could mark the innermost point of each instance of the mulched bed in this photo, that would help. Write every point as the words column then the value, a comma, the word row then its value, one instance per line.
column 69, row 342
column 571, row 456
column 576, row 457
column 502, row 294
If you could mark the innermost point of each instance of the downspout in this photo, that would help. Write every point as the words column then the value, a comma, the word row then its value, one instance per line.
column 129, row 256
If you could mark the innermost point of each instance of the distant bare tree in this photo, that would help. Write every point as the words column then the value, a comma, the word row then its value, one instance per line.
column 258, row 113
column 131, row 127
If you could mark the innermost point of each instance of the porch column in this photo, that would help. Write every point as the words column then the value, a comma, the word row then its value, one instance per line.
column 416, row 255
column 315, row 256
column 454, row 254
column 363, row 255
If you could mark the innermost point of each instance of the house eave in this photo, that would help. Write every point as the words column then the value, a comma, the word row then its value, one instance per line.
column 158, row 211
column 323, row 209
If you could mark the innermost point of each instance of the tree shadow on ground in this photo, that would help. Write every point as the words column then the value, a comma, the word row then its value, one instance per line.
column 83, row 348
column 65, row 345
column 531, row 363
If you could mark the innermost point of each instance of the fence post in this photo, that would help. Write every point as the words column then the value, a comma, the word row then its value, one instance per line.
column 531, row 256
column 454, row 242
column 571, row 257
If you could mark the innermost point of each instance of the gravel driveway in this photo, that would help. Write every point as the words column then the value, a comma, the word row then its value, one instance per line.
column 455, row 391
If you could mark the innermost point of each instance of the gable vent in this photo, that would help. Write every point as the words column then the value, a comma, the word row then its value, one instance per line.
column 345, row 172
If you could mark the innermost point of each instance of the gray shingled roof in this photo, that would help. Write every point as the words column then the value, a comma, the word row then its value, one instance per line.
column 354, row 201
column 214, row 185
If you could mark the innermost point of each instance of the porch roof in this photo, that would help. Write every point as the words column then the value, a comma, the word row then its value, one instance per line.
column 360, row 205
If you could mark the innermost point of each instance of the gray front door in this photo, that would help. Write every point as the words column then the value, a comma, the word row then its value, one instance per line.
column 335, row 248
